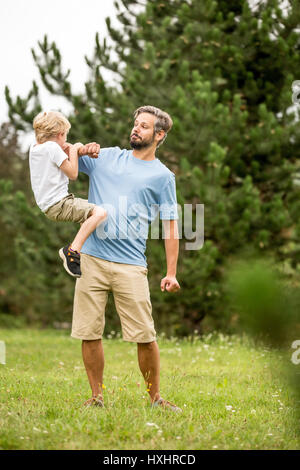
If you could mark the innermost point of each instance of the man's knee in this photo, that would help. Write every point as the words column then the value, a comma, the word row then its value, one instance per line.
column 147, row 346
column 91, row 342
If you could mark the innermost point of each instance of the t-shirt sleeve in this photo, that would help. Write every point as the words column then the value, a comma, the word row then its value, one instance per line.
column 168, row 201
column 57, row 155
column 86, row 164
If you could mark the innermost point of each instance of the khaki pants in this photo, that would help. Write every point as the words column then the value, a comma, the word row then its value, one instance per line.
column 70, row 209
column 129, row 285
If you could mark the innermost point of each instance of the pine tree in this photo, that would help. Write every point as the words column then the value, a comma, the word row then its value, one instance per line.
column 224, row 71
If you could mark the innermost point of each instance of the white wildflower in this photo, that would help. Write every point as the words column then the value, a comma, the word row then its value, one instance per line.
column 152, row 425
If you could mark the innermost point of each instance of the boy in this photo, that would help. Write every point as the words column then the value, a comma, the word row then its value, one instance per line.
column 52, row 163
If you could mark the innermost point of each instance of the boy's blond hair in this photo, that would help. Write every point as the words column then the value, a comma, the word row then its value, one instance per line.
column 49, row 124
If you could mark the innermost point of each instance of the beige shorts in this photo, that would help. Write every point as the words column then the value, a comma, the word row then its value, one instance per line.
column 129, row 285
column 70, row 209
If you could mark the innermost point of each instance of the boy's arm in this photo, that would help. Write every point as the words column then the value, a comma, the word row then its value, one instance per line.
column 70, row 165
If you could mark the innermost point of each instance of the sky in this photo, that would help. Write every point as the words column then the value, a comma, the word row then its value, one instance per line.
column 72, row 24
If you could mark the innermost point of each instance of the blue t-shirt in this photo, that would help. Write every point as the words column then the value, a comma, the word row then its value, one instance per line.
column 132, row 191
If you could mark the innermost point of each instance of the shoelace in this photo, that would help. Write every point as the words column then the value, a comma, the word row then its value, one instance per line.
column 75, row 256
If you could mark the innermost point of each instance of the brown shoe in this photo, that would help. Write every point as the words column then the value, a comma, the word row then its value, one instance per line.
column 94, row 401
column 166, row 404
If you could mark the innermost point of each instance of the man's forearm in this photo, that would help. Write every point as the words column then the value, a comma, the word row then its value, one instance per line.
column 171, row 246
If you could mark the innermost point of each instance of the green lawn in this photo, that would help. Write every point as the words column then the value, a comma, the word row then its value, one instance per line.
column 234, row 395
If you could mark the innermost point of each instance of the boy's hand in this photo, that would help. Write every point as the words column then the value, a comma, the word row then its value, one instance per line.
column 66, row 148
column 92, row 150
column 78, row 146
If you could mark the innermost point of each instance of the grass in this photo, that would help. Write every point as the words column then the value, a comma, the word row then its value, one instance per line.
column 234, row 395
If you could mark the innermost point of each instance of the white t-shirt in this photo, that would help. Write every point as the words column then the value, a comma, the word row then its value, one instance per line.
column 49, row 183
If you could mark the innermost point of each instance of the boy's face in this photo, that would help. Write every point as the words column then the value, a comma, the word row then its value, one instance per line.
column 61, row 138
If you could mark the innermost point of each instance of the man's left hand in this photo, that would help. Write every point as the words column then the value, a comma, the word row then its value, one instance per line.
column 170, row 284
column 92, row 150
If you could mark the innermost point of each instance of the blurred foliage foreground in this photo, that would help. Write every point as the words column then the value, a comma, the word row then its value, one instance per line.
column 224, row 71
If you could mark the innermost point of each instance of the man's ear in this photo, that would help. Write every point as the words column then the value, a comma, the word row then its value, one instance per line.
column 159, row 135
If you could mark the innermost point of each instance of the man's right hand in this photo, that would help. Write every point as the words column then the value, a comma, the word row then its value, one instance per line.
column 91, row 149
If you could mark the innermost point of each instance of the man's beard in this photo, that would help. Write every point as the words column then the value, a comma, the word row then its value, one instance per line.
column 141, row 144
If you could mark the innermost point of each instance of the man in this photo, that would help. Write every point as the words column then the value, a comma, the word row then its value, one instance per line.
column 132, row 185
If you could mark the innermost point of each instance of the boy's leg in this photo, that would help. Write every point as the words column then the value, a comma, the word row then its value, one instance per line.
column 71, row 209
column 96, row 217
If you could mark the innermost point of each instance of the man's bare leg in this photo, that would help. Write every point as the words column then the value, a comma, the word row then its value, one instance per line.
column 93, row 359
column 149, row 362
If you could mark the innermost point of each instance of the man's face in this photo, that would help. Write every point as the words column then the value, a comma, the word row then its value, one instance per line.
column 142, row 134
